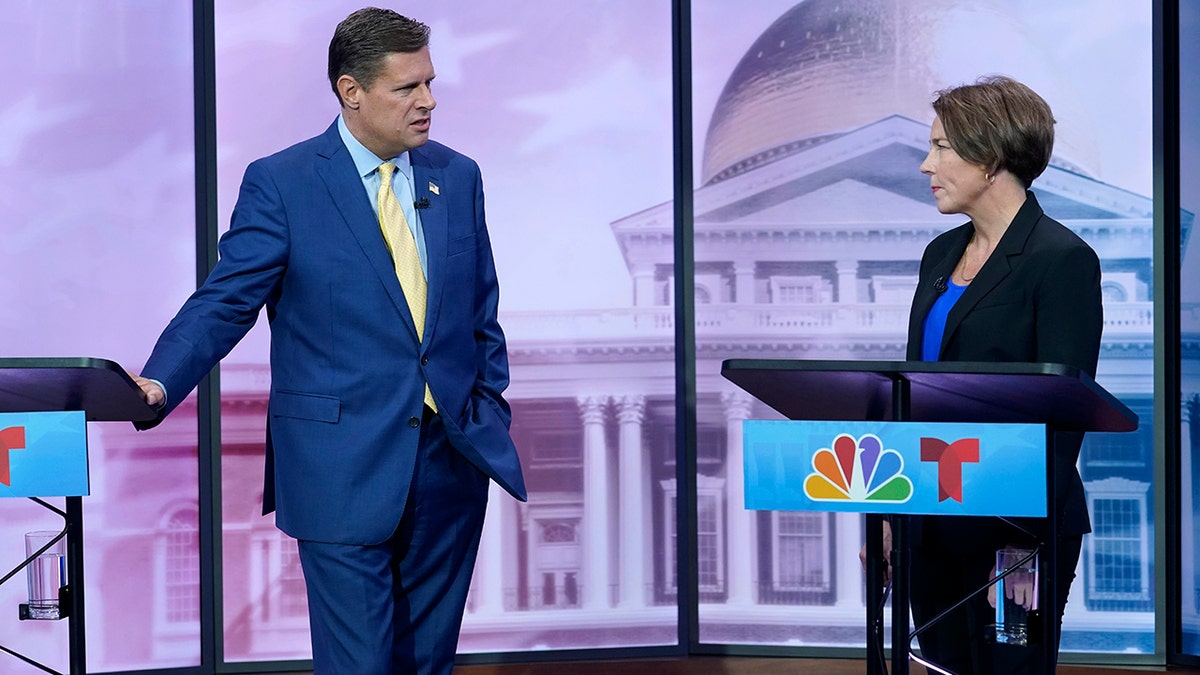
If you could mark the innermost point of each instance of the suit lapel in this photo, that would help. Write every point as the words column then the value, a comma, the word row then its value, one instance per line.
column 940, row 272
column 998, row 266
column 428, row 185
column 337, row 170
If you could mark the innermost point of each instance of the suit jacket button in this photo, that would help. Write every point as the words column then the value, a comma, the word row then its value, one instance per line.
column 424, row 360
column 414, row 422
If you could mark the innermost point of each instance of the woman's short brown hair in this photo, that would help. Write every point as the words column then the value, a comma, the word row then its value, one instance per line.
column 998, row 123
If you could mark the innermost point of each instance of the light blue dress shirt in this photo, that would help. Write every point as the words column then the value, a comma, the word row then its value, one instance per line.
column 367, row 165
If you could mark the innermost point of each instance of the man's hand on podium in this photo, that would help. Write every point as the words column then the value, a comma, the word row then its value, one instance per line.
column 887, row 554
column 152, row 391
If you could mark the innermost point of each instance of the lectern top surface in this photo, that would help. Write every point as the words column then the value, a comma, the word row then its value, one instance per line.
column 98, row 387
column 1032, row 393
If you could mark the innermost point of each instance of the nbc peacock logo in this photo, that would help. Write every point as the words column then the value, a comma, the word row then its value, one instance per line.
column 858, row 471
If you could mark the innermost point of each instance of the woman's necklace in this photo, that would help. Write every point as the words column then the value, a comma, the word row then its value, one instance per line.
column 962, row 263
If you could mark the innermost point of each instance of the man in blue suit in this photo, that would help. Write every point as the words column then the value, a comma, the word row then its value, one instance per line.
column 386, row 419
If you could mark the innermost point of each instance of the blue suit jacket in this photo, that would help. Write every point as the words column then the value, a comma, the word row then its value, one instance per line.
column 347, row 370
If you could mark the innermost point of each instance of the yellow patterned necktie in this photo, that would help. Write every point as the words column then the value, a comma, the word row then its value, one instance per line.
column 407, row 261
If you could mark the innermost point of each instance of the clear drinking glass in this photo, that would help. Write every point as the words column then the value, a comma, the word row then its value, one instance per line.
column 46, row 574
column 1016, row 594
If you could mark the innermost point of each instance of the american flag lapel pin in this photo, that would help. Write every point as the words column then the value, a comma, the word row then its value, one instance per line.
column 434, row 188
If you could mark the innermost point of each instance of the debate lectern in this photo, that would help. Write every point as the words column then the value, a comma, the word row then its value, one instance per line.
column 1058, row 397
column 53, row 459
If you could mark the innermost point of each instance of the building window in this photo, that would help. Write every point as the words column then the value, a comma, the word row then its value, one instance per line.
column 796, row 565
column 559, row 589
column 556, row 449
column 707, row 289
column 1123, row 287
column 800, row 290
column 672, row 548
column 558, row 533
column 293, row 601
column 1105, row 451
column 708, row 534
column 1112, row 292
column 181, row 568
column 175, row 588
column 801, row 561
column 1117, row 551
column 710, row 525
column 279, row 582
column 555, row 562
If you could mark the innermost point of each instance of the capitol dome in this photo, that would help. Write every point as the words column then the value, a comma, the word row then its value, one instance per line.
column 828, row 66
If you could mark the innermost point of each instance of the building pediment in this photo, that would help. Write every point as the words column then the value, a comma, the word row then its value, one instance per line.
column 886, row 156
column 847, row 201
column 862, row 190
column 869, row 177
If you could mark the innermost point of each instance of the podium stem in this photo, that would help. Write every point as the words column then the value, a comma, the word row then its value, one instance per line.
column 75, row 621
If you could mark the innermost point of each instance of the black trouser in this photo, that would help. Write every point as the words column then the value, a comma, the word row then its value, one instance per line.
column 942, row 575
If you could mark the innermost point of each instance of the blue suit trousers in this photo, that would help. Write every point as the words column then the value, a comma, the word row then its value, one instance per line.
column 396, row 607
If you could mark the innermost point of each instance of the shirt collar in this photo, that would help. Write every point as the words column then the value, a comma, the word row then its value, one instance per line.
column 365, row 161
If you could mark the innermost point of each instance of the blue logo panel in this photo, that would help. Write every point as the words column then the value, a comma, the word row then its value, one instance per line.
column 896, row 467
column 43, row 454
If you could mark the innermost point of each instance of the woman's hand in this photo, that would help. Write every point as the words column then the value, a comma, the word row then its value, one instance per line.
column 1020, row 586
column 887, row 553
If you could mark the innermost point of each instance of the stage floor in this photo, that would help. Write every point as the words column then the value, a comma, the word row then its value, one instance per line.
column 731, row 665
column 744, row 665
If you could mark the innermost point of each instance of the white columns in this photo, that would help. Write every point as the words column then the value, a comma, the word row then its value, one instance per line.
column 740, row 546
column 633, row 501
column 489, row 568
column 597, row 576
column 850, row 538
column 743, row 290
column 847, row 271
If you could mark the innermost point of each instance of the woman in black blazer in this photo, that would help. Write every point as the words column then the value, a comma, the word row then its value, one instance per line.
column 1010, row 285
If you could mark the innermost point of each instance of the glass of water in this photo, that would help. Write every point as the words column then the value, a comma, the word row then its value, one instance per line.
column 46, row 574
column 1016, row 595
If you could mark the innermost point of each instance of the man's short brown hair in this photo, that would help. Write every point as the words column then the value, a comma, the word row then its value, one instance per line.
column 362, row 41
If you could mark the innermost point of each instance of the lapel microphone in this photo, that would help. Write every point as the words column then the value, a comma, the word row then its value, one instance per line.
column 940, row 285
column 423, row 203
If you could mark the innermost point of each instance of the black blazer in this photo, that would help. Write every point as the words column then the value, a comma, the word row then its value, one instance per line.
column 1036, row 299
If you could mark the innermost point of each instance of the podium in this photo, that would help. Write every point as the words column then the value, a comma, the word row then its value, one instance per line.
column 99, row 390
column 1062, row 398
